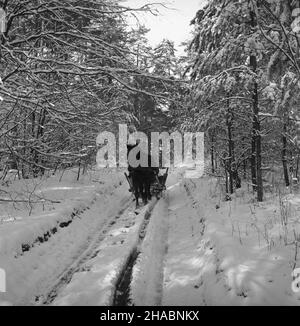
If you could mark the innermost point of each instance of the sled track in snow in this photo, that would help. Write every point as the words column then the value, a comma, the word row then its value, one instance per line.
column 121, row 296
column 88, row 252
column 194, row 204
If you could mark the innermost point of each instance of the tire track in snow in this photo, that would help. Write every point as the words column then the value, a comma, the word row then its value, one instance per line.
column 210, row 250
column 186, row 247
column 76, row 213
column 88, row 252
column 147, row 280
column 123, row 288
column 194, row 204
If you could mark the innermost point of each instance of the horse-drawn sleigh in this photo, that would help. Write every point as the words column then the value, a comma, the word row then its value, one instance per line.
column 145, row 182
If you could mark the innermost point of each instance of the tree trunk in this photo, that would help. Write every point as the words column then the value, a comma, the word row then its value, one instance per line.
column 253, row 161
column 212, row 155
column 256, row 136
column 226, row 181
column 78, row 173
column 230, row 148
column 297, row 166
column 256, row 142
column 284, row 156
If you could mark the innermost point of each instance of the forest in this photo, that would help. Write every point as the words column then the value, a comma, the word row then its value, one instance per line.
column 73, row 234
column 70, row 69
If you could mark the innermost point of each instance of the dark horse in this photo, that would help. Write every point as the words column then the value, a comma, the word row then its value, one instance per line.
column 142, row 178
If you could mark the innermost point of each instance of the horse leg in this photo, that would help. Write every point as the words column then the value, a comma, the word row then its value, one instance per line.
column 142, row 192
column 148, row 190
column 136, row 195
column 135, row 185
column 137, row 201
column 149, row 180
column 141, row 189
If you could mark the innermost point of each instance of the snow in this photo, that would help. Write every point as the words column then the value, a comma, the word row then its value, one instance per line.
column 193, row 247
column 148, row 273
column 183, row 263
column 27, row 270
column 225, row 261
column 95, row 284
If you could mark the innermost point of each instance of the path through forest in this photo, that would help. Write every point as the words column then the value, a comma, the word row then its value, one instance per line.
column 188, row 248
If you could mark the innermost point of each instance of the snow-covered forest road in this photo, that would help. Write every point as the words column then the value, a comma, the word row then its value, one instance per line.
column 91, row 89
column 187, row 248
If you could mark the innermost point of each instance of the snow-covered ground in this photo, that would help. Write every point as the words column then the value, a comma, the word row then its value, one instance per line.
column 36, row 250
column 83, row 243
column 227, row 253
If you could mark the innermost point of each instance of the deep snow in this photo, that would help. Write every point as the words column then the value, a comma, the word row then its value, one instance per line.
column 193, row 247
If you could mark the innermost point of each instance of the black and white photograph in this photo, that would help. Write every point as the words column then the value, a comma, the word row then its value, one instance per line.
column 149, row 156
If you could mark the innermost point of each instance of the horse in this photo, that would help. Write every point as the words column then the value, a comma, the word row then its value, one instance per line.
column 141, row 181
column 142, row 178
